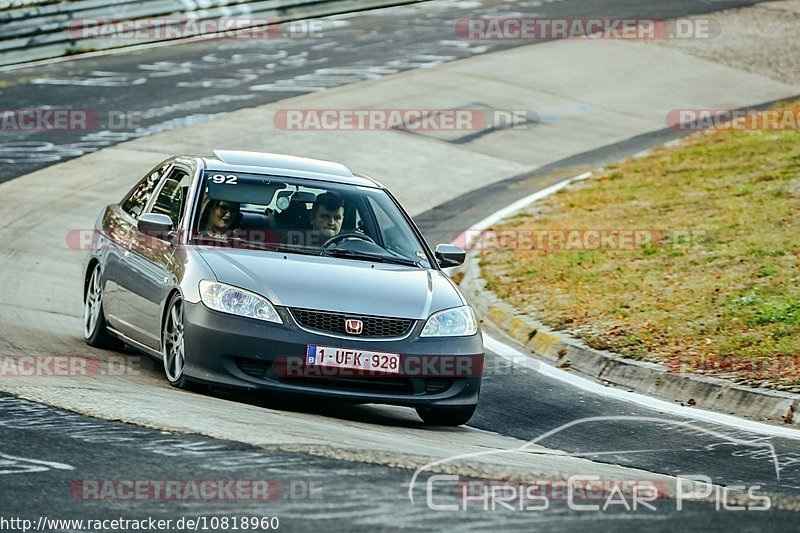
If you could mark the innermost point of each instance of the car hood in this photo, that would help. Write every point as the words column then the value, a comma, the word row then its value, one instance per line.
column 335, row 284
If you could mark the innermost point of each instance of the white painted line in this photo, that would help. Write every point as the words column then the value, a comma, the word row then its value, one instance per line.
column 512, row 354
column 25, row 460
column 519, row 205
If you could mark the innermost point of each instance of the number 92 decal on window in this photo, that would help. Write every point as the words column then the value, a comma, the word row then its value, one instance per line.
column 230, row 179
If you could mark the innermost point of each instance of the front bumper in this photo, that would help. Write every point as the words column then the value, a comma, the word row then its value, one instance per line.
column 243, row 353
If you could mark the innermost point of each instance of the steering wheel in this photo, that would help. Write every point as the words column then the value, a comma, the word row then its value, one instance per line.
column 350, row 235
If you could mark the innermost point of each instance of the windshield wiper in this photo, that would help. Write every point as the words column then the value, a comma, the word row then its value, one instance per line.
column 352, row 254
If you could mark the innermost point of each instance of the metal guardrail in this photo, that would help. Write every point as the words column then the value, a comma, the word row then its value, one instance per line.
column 47, row 30
column 13, row 4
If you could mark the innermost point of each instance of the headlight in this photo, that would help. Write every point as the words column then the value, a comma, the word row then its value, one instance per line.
column 227, row 299
column 457, row 322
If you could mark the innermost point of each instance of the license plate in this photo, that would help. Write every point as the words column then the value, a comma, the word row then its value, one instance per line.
column 354, row 359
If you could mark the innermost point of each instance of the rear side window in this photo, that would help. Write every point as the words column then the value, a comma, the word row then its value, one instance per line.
column 137, row 199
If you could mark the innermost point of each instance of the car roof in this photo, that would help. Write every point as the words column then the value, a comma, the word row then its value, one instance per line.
column 285, row 165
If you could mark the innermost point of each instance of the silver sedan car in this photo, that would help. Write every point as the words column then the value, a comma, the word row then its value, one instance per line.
column 276, row 273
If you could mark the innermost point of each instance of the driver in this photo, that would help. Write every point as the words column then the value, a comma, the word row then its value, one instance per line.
column 327, row 215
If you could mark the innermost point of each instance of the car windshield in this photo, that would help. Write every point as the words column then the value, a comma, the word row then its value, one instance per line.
column 307, row 217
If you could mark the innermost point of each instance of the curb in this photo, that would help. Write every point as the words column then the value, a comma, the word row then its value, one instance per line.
column 610, row 369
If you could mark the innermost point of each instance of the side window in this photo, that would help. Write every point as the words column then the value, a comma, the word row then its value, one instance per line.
column 137, row 199
column 171, row 197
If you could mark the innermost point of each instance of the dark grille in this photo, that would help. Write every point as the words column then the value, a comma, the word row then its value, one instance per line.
column 374, row 326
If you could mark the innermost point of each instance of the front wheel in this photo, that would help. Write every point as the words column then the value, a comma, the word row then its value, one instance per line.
column 446, row 417
column 95, row 328
column 173, row 345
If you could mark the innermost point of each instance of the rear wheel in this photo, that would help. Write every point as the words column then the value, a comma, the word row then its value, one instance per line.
column 173, row 345
column 95, row 328
column 446, row 417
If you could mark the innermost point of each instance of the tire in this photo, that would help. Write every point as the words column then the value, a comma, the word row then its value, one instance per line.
column 95, row 327
column 173, row 346
column 446, row 417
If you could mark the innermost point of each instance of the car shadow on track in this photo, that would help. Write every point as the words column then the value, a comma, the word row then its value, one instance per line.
column 368, row 414
column 390, row 416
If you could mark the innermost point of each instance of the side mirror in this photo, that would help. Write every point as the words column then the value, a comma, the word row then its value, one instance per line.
column 449, row 255
column 155, row 225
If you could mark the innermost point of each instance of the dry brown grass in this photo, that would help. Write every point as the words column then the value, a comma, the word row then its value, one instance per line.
column 726, row 302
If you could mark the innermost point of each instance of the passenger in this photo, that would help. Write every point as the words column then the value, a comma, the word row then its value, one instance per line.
column 327, row 215
column 220, row 218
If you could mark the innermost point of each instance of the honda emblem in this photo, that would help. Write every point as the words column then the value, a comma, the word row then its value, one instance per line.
column 353, row 326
